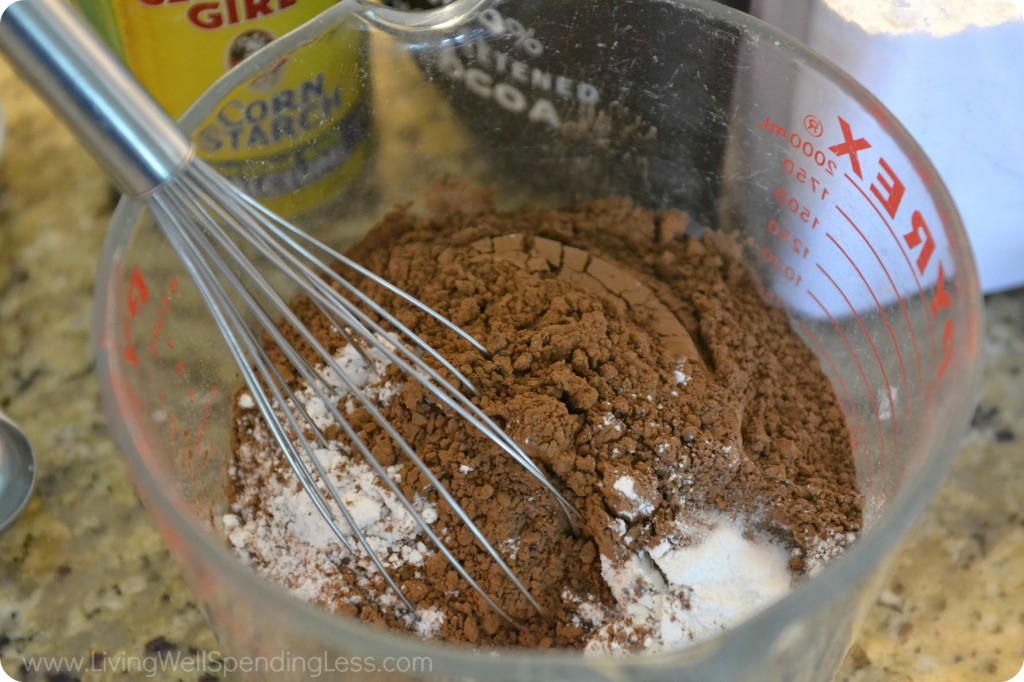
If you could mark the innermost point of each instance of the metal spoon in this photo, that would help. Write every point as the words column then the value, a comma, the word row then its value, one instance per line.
column 17, row 471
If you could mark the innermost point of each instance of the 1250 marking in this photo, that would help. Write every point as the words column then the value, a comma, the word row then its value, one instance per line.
column 777, row 230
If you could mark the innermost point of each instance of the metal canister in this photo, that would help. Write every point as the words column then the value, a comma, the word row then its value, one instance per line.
column 303, row 125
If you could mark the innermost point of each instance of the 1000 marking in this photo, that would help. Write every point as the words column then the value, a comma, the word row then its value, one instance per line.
column 775, row 261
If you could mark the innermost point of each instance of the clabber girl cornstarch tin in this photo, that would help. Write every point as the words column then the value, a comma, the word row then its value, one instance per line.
column 303, row 126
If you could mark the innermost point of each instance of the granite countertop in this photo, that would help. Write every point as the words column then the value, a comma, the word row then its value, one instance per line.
column 85, row 574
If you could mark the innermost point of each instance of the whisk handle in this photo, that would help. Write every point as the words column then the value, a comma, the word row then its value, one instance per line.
column 138, row 144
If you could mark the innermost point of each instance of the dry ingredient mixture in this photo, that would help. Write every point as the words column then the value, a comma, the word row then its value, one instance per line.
column 639, row 367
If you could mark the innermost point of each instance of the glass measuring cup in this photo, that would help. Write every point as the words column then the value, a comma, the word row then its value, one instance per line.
column 697, row 108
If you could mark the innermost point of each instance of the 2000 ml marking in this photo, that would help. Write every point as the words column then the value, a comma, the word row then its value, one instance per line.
column 138, row 298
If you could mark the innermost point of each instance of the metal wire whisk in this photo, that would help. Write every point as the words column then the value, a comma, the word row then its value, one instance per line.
column 210, row 223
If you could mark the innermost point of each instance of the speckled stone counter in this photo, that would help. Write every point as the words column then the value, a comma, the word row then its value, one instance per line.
column 85, row 575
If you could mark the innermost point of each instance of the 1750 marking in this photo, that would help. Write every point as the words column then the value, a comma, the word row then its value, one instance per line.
column 803, row 177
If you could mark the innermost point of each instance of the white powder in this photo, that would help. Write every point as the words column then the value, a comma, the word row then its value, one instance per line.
column 731, row 578
column 824, row 550
column 591, row 613
column 509, row 547
column 618, row 526
column 691, row 592
column 681, row 378
column 627, row 486
column 641, row 505
column 611, row 420
column 429, row 622
column 285, row 537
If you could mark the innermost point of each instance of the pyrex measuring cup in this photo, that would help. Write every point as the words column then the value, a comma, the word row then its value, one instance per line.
column 681, row 105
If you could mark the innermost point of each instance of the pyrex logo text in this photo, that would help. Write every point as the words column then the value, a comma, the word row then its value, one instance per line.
column 889, row 189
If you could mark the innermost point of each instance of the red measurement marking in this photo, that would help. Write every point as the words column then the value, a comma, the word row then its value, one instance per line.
column 903, row 307
column 899, row 245
column 885, row 319
column 158, row 325
column 874, row 350
column 161, row 318
column 181, row 369
column 138, row 292
column 851, row 411
column 130, row 356
column 941, row 299
column 948, row 348
column 863, row 377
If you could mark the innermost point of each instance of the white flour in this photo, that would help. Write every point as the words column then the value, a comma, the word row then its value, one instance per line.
column 287, row 539
column 681, row 378
column 640, row 505
column 674, row 595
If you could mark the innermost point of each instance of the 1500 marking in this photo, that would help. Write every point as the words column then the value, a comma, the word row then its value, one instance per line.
column 782, row 198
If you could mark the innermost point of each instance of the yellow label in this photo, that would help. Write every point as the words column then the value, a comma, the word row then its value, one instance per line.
column 289, row 137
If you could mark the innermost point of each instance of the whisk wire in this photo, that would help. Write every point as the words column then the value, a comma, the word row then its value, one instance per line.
column 298, row 274
column 213, row 232
column 332, row 305
column 365, row 272
column 228, row 319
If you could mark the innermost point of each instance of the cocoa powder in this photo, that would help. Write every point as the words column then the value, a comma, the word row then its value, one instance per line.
column 620, row 346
